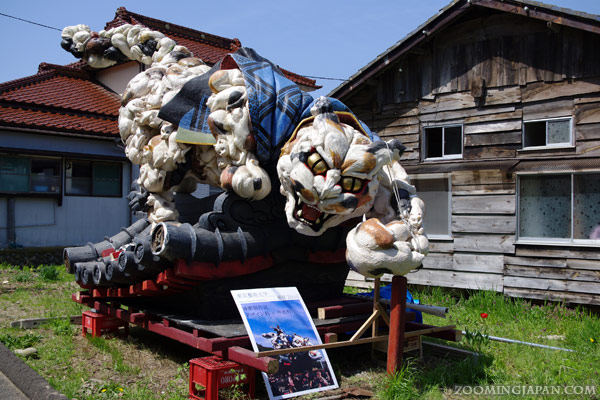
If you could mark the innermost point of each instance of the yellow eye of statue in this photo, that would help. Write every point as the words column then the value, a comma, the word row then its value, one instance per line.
column 351, row 184
column 316, row 164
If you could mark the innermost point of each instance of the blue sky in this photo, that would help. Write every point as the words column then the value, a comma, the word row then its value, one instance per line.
column 315, row 38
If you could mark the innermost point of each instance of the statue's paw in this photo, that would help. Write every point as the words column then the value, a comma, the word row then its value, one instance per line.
column 138, row 198
column 248, row 181
column 374, row 249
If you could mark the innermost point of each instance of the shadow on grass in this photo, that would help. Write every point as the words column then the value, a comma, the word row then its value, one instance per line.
column 163, row 346
column 450, row 371
column 436, row 371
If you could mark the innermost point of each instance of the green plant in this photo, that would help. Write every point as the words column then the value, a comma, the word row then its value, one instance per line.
column 355, row 290
column 25, row 275
column 401, row 385
column 11, row 341
column 476, row 340
column 235, row 391
column 110, row 390
column 61, row 326
column 48, row 273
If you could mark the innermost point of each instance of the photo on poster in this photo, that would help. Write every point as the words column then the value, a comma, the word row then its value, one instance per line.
column 277, row 319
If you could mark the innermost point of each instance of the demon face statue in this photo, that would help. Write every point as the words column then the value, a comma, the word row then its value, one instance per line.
column 249, row 125
column 329, row 170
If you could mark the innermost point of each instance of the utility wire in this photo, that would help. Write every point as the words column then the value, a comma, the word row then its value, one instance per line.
column 60, row 30
column 31, row 22
column 328, row 79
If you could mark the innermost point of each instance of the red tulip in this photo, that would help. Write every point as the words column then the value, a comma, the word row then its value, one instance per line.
column 483, row 315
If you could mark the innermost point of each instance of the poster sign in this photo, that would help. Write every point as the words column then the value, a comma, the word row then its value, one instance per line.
column 277, row 318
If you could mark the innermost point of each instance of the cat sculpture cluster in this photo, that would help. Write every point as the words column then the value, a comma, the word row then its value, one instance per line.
column 278, row 154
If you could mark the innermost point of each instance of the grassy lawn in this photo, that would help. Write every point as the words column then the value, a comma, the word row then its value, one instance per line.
column 147, row 366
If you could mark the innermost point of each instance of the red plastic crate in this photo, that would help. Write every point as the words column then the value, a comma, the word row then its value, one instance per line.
column 99, row 323
column 214, row 373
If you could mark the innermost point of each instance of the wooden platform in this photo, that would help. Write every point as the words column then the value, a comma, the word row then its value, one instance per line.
column 228, row 338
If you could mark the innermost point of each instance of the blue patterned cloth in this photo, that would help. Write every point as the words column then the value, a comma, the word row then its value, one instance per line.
column 276, row 104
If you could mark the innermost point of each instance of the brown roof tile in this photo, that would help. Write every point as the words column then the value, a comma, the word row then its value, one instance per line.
column 65, row 93
column 210, row 48
column 63, row 98
column 67, row 123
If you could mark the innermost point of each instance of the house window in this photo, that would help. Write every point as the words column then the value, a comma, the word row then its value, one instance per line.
column 555, row 132
column 435, row 192
column 92, row 178
column 562, row 208
column 443, row 142
column 29, row 175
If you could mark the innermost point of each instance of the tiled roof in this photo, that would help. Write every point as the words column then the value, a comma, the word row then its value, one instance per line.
column 59, row 122
column 67, row 92
column 60, row 98
column 210, row 48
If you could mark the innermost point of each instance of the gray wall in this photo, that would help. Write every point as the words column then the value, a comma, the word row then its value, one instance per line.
column 80, row 219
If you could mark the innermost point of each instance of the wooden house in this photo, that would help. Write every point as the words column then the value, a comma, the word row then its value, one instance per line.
column 64, row 177
column 498, row 102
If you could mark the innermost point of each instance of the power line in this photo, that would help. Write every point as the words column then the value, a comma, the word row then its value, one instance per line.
column 60, row 30
column 31, row 22
column 328, row 79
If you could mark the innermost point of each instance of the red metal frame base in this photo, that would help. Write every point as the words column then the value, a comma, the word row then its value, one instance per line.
column 100, row 323
column 235, row 348
column 214, row 373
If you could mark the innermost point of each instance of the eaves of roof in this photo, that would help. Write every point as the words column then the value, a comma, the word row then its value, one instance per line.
column 527, row 8
column 60, row 122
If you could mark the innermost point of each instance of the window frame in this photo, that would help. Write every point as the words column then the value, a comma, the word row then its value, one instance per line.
column 30, row 192
column 444, row 157
column 549, row 146
column 552, row 241
column 92, row 163
column 448, row 177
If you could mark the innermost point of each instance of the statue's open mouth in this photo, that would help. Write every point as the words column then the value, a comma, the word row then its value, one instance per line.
column 309, row 215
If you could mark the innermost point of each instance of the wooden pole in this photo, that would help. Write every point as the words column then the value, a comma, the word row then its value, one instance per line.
column 397, row 324
column 375, row 327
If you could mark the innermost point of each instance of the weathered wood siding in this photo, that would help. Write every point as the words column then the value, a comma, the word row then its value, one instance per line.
column 530, row 72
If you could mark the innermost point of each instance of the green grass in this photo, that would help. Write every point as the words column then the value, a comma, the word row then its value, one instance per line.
column 49, row 273
column 105, row 368
column 19, row 340
column 510, row 363
column 402, row 385
column 83, row 368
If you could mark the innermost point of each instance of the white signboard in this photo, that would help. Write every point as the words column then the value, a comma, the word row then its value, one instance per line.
column 277, row 318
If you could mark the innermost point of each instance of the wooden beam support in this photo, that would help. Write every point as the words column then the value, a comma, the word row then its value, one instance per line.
column 368, row 323
column 82, row 297
column 450, row 333
column 222, row 343
column 248, row 357
column 344, row 310
column 331, row 338
column 397, row 324
column 535, row 12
